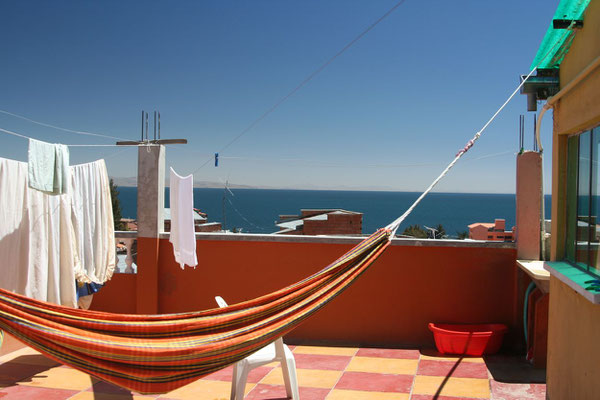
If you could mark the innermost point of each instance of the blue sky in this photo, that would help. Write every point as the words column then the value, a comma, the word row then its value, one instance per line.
column 390, row 113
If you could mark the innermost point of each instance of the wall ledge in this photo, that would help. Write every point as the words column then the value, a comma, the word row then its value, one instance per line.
column 351, row 240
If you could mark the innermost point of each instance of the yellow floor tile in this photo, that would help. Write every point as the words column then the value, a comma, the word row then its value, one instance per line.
column 458, row 387
column 61, row 378
column 306, row 378
column 329, row 351
column 25, row 351
column 337, row 394
column 205, row 390
column 441, row 357
column 383, row 365
column 105, row 396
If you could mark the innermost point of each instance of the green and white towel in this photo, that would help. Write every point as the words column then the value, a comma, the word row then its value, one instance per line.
column 48, row 167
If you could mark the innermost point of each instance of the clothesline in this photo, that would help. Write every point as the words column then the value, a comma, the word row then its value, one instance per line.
column 58, row 127
column 305, row 81
column 324, row 164
column 75, row 145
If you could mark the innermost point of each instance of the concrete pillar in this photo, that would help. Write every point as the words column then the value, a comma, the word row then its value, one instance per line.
column 150, row 210
column 528, row 211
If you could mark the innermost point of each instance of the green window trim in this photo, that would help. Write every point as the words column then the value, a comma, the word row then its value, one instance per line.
column 574, row 277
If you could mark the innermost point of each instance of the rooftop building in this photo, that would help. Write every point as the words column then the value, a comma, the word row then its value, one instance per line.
column 491, row 231
column 321, row 222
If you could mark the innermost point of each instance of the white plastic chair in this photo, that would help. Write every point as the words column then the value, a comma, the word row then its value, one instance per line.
column 276, row 351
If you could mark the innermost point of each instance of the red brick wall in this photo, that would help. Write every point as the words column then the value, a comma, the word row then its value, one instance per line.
column 335, row 224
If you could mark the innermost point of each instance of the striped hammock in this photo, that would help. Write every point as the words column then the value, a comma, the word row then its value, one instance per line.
column 153, row 354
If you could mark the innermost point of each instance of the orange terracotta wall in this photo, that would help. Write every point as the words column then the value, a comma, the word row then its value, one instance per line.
column 118, row 295
column 390, row 305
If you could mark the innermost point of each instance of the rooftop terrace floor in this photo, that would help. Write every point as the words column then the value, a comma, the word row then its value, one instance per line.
column 332, row 373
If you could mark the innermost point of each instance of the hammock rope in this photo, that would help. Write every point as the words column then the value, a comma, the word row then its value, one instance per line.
column 159, row 353
column 394, row 225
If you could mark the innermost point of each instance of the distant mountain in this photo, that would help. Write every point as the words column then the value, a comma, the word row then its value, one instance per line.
column 132, row 181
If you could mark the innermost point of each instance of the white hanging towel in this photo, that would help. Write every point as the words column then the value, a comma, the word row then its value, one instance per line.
column 36, row 239
column 48, row 167
column 93, row 222
column 183, row 237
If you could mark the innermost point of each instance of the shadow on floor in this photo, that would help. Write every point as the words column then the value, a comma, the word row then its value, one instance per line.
column 23, row 369
column 104, row 390
column 513, row 369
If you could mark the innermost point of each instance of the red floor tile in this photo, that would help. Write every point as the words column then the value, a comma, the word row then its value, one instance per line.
column 452, row 368
column 317, row 361
column 518, row 391
column 375, row 382
column 276, row 392
column 221, row 375
column 225, row 374
column 29, row 392
column 390, row 353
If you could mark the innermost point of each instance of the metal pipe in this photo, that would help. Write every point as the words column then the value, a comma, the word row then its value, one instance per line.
column 552, row 100
column 142, row 125
column 155, row 125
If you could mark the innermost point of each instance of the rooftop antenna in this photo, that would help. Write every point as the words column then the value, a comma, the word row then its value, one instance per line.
column 155, row 140
column 433, row 231
column 143, row 113
column 521, row 133
column 155, row 125
column 535, row 144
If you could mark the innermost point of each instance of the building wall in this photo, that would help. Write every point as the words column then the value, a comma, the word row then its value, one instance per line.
column 580, row 108
column 573, row 350
column 574, row 322
column 335, row 224
column 482, row 232
column 479, row 232
column 411, row 284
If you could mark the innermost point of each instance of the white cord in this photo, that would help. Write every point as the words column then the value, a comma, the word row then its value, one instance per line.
column 393, row 227
column 70, row 145
column 58, row 127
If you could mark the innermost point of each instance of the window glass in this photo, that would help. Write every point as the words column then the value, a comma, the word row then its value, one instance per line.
column 583, row 200
column 572, row 163
column 594, row 263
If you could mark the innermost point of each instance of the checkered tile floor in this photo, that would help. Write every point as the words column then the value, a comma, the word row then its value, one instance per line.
column 330, row 373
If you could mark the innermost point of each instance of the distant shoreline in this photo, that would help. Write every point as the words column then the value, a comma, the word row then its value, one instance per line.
column 213, row 185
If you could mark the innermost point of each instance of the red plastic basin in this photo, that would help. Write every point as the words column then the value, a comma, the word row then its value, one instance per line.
column 470, row 340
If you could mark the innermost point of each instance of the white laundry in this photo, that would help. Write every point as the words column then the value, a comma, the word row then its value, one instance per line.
column 36, row 239
column 183, row 237
column 48, row 167
column 93, row 222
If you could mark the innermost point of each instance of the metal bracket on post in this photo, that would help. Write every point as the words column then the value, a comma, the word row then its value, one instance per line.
column 155, row 140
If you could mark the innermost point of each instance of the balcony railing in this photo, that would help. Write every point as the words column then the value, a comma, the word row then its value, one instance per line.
column 125, row 256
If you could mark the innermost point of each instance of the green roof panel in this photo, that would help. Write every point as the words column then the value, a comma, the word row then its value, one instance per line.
column 556, row 42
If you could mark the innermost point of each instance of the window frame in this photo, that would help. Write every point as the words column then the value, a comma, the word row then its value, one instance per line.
column 573, row 185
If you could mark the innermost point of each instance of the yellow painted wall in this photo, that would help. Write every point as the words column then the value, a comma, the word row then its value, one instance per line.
column 573, row 345
column 580, row 108
column 573, row 370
